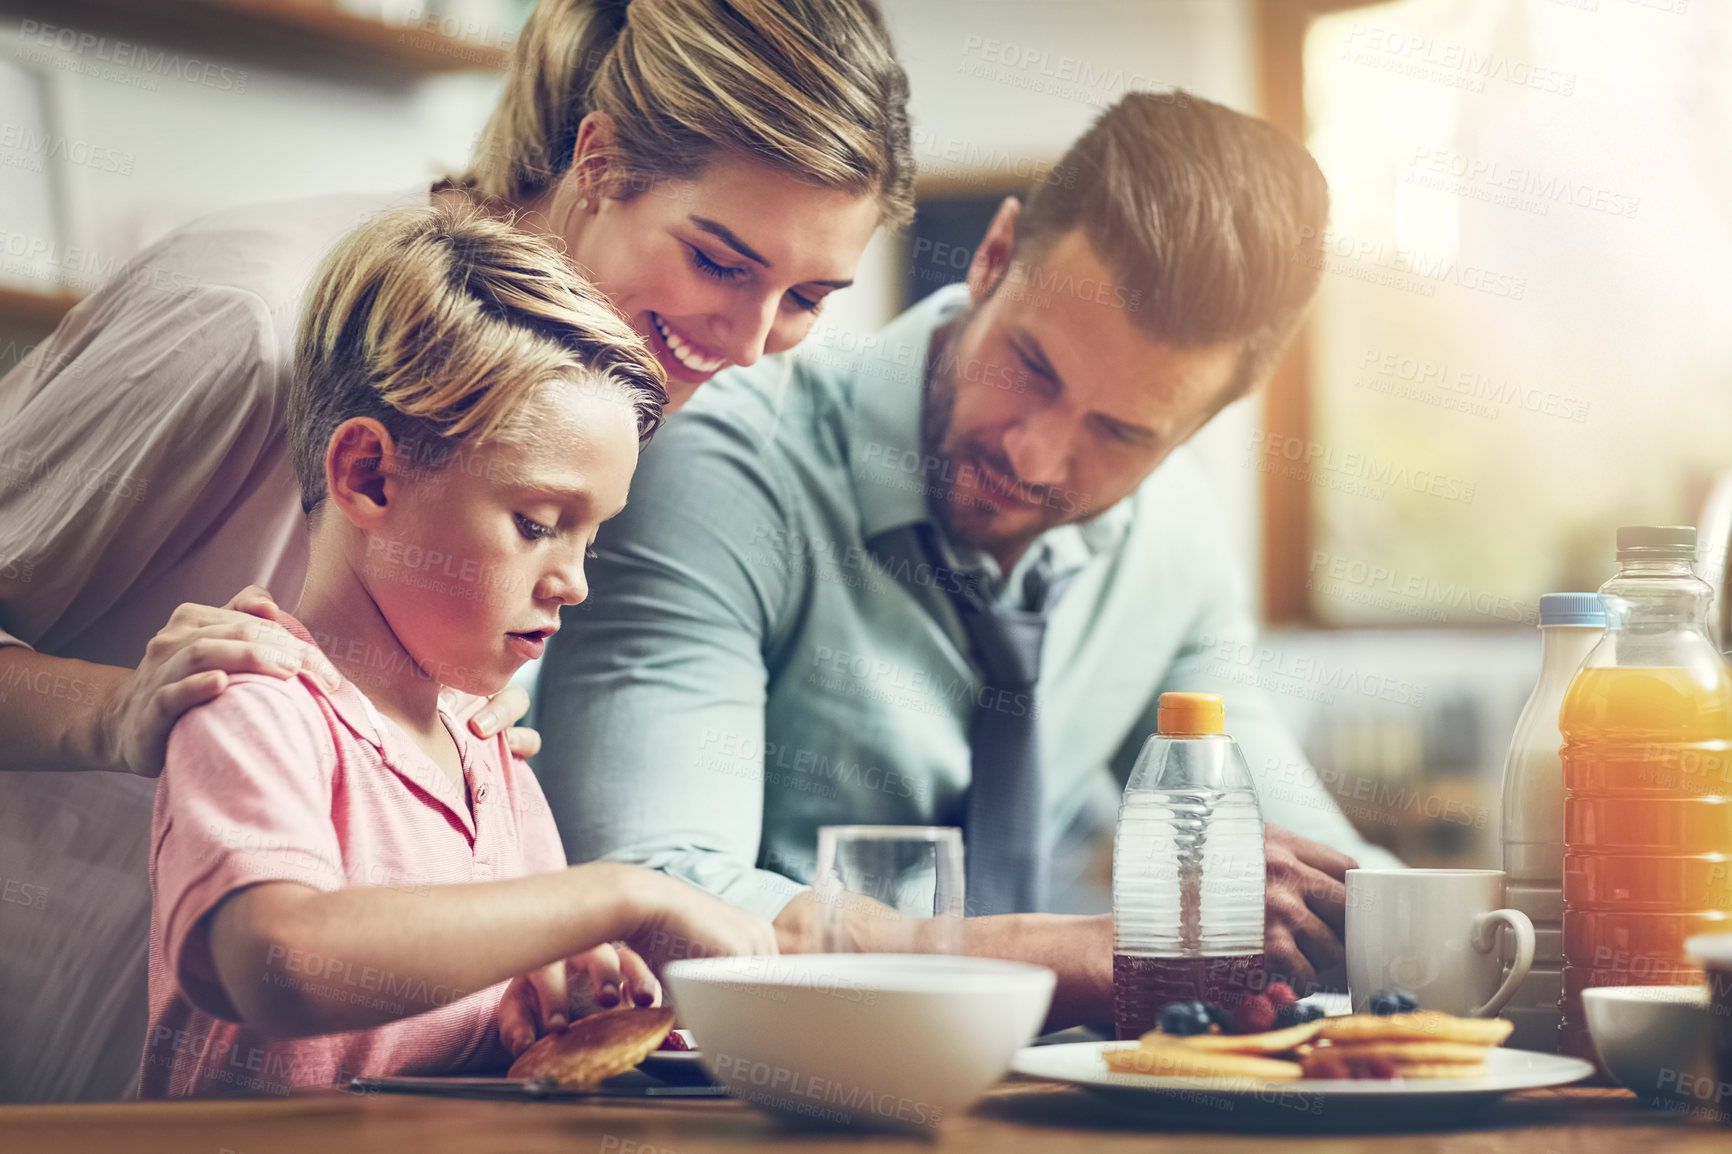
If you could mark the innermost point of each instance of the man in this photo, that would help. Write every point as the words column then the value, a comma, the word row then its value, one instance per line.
column 939, row 578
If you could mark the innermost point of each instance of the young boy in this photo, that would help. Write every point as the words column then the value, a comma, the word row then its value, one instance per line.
column 344, row 881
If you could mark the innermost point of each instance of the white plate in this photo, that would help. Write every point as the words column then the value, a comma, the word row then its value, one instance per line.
column 680, row 1067
column 687, row 1057
column 1302, row 1103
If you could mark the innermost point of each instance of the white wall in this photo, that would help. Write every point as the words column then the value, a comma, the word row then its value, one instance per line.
column 190, row 146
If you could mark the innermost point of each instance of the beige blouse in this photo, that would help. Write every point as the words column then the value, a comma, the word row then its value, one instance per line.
column 143, row 463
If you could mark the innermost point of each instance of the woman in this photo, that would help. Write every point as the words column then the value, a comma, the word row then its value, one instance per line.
column 717, row 168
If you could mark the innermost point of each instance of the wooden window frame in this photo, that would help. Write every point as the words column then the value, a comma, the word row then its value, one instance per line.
column 1287, row 403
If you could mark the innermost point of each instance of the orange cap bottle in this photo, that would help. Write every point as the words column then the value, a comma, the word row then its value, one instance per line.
column 1191, row 714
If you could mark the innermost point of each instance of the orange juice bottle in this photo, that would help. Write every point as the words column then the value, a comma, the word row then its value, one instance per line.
column 1647, row 766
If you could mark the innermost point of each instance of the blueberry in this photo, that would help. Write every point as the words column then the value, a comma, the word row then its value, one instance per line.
column 1384, row 1003
column 1219, row 1016
column 1182, row 1020
column 1409, row 1003
column 1172, row 1019
column 1296, row 1014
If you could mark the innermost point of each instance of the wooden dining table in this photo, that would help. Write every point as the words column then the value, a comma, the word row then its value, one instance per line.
column 1014, row 1117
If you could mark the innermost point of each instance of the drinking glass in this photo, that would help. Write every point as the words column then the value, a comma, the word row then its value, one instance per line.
column 890, row 889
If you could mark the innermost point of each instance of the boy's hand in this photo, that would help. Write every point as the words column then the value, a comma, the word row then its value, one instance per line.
column 188, row 662
column 488, row 715
column 678, row 920
column 609, row 975
column 545, row 1001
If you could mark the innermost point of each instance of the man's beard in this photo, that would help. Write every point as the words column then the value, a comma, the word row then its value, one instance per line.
column 967, row 522
column 937, row 406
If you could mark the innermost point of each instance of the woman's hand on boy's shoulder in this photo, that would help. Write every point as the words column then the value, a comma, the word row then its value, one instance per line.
column 188, row 663
column 547, row 1000
column 486, row 716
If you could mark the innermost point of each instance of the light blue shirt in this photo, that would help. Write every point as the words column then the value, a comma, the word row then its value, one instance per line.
column 766, row 650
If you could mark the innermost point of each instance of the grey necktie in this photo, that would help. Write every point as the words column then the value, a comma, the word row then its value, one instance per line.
column 1005, row 846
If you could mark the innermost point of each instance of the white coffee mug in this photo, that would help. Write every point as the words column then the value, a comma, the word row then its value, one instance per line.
column 1433, row 932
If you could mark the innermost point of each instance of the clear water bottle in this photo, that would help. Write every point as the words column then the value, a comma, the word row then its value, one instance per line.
column 1187, row 870
column 1533, row 814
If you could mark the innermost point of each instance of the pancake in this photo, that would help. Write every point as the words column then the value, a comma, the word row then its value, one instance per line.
column 1426, row 1025
column 1405, row 1051
column 596, row 1047
column 1168, row 1061
column 1270, row 1042
column 1425, row 1044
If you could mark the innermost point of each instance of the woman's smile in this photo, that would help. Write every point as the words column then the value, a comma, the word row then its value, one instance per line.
column 685, row 353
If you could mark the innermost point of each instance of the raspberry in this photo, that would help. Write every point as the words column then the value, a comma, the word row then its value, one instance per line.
column 1380, row 1069
column 1329, row 1068
column 1253, row 1015
column 1376, row 1067
column 1280, row 994
column 673, row 1042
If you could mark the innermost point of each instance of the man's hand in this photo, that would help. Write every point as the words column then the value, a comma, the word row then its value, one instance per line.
column 188, row 663
column 1078, row 949
column 547, row 1000
column 797, row 926
column 488, row 715
column 1305, row 907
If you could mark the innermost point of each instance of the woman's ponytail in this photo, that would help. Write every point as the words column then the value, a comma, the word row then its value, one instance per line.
column 810, row 88
column 529, row 138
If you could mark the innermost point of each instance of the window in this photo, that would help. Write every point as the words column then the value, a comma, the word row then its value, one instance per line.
column 1524, row 333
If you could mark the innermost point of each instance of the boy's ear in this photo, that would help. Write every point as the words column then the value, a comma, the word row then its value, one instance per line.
column 361, row 471
column 992, row 258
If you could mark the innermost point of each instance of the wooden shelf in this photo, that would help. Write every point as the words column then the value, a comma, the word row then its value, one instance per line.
column 302, row 34
column 28, row 307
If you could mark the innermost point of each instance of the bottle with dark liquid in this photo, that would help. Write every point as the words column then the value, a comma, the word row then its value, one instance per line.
column 1187, row 870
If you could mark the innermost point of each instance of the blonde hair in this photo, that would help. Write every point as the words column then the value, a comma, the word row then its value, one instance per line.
column 444, row 325
column 808, row 87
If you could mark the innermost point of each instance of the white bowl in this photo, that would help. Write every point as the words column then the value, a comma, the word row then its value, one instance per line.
column 882, row 1041
column 1655, row 1040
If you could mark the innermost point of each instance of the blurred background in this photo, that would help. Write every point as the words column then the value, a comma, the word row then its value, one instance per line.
column 1521, row 341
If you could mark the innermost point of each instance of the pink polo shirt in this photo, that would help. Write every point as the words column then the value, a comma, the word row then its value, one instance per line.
column 280, row 780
